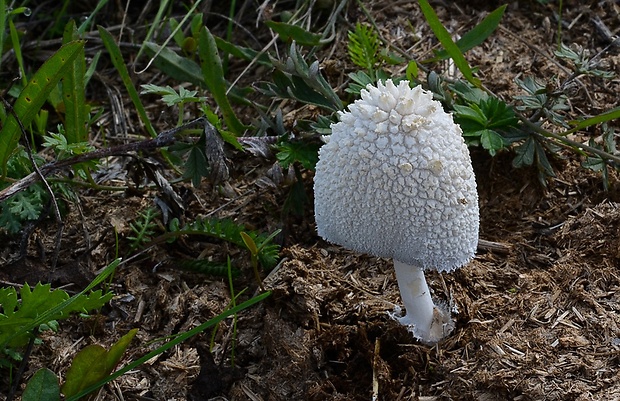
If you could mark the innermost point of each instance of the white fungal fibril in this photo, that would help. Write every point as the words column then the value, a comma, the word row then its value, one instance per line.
column 395, row 180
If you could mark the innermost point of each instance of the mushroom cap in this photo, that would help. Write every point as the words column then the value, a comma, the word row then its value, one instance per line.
column 395, row 180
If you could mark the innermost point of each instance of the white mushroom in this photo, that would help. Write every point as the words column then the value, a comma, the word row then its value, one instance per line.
column 395, row 180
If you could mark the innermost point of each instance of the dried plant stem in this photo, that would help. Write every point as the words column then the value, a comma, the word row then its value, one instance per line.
column 569, row 143
column 165, row 138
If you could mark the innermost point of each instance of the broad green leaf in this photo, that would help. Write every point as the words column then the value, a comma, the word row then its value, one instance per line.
column 469, row 93
column 117, row 350
column 525, row 153
column 36, row 302
column 197, row 23
column 43, row 386
column 499, row 114
column 55, row 100
column 39, row 299
column 304, row 152
column 8, row 299
column 33, row 96
column 295, row 87
column 119, row 63
column 93, row 364
column 446, row 41
column 595, row 163
column 214, row 77
column 196, row 165
column 249, row 242
column 88, row 367
column 542, row 160
column 76, row 111
column 478, row 34
column 177, row 67
column 412, row 71
column 179, row 35
column 491, row 141
column 359, row 81
column 295, row 33
column 244, row 53
column 20, row 325
column 470, row 113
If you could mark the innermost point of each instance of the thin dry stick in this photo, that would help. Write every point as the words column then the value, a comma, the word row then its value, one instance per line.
column 165, row 138
column 375, row 373
column 22, row 365
column 493, row 246
column 41, row 177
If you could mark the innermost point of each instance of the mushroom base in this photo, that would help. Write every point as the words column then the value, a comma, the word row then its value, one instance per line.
column 428, row 322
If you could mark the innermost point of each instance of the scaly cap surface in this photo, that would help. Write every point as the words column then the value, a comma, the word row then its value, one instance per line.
column 395, row 180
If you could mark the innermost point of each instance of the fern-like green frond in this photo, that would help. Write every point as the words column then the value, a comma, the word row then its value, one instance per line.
column 364, row 47
column 143, row 228
column 228, row 230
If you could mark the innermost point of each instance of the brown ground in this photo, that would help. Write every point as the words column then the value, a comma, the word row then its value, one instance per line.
column 536, row 319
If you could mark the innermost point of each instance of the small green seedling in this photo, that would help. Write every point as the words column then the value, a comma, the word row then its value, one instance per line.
column 173, row 98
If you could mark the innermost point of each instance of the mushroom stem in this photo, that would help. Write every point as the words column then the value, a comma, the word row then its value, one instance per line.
column 428, row 322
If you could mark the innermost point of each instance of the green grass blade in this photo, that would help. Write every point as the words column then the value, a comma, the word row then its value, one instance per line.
column 187, row 16
column 177, row 340
column 86, row 24
column 446, row 41
column 17, row 48
column 119, row 63
column 478, row 34
column 163, row 6
column 2, row 23
column 213, row 73
column 33, row 96
column 612, row 114
column 91, row 68
column 76, row 113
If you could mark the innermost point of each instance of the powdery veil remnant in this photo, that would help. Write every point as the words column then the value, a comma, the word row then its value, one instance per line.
column 395, row 180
